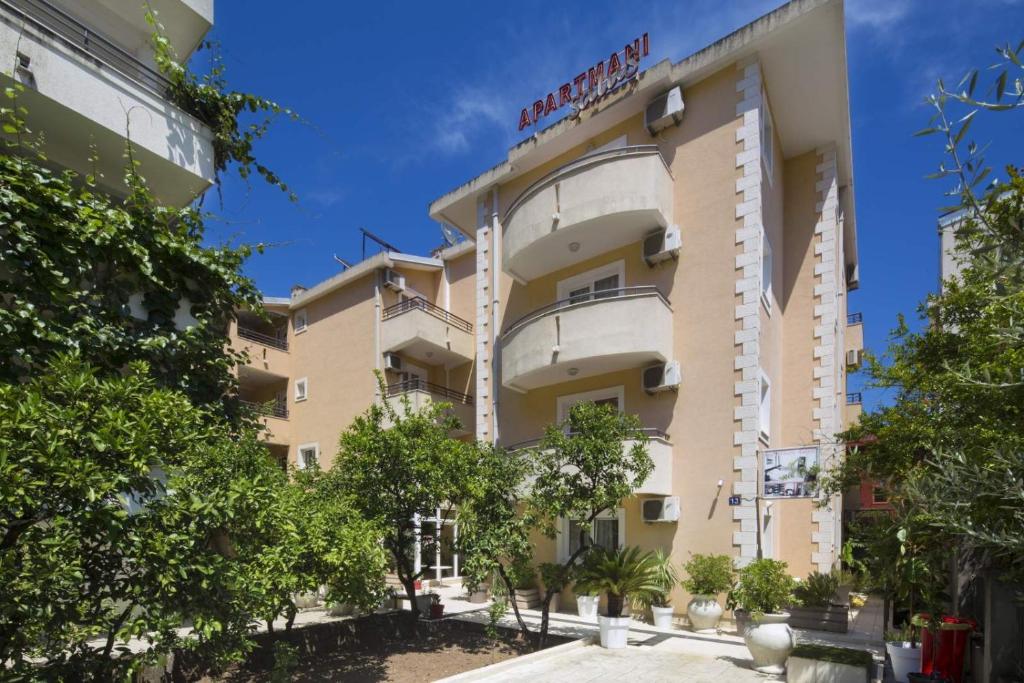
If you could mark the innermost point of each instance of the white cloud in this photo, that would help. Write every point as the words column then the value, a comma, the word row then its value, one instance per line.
column 469, row 112
column 325, row 197
column 876, row 15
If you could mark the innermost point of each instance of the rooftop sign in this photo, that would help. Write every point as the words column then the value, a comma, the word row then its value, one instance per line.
column 592, row 84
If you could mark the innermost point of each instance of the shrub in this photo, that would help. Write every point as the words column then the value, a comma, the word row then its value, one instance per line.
column 763, row 587
column 818, row 590
column 621, row 574
column 709, row 574
column 666, row 578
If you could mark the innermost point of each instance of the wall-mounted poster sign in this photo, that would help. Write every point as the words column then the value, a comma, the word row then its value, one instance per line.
column 791, row 472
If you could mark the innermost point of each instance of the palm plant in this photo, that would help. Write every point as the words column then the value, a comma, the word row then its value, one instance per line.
column 623, row 573
column 666, row 576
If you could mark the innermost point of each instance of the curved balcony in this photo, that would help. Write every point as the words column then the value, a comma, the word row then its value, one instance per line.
column 597, row 203
column 611, row 330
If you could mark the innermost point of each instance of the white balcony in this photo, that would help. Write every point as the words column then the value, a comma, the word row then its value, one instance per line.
column 595, row 204
column 427, row 333
column 575, row 338
column 88, row 95
column 420, row 394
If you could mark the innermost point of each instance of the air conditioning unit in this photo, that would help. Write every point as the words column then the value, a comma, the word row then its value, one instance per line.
column 392, row 362
column 393, row 280
column 664, row 111
column 854, row 357
column 662, row 509
column 661, row 377
column 662, row 244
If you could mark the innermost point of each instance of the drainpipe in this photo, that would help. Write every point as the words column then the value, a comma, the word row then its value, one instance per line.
column 495, row 347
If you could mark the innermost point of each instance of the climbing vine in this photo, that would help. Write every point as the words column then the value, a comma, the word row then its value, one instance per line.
column 209, row 99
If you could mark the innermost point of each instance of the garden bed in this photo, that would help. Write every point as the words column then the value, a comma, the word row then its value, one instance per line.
column 373, row 648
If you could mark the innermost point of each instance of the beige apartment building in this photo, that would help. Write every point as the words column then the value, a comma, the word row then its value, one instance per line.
column 682, row 248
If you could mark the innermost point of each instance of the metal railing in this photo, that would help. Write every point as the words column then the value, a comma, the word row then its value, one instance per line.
column 854, row 318
column 420, row 304
column 651, row 432
column 569, row 302
column 399, row 388
column 265, row 339
column 854, row 397
column 591, row 159
column 270, row 408
column 53, row 21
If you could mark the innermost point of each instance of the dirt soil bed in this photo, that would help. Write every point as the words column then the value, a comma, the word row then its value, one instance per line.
column 376, row 649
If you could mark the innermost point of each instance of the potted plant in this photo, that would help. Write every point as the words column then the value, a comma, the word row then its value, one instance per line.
column 816, row 606
column 659, row 601
column 436, row 608
column 708, row 576
column 620, row 574
column 763, row 588
column 905, row 655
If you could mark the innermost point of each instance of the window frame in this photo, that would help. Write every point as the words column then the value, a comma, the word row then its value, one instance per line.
column 764, row 412
column 314, row 446
column 767, row 262
column 565, row 402
column 304, row 316
column 618, row 514
column 588, row 278
column 766, row 132
column 304, row 382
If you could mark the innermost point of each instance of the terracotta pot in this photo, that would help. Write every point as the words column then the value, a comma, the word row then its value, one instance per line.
column 436, row 611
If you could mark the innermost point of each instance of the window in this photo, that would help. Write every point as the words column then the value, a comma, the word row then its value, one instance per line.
column 767, row 136
column 878, row 495
column 301, row 321
column 309, row 456
column 613, row 396
column 599, row 283
column 301, row 389
column 608, row 531
column 767, row 268
column 764, row 415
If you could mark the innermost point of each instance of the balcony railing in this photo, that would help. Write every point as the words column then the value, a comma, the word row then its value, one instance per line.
column 854, row 398
column 568, row 302
column 265, row 339
column 420, row 304
column 651, row 432
column 270, row 408
column 399, row 388
column 854, row 318
column 51, row 20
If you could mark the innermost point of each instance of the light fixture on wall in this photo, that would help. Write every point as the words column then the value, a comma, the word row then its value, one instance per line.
column 574, row 247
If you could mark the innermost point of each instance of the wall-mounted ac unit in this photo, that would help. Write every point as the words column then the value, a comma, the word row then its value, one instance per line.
column 392, row 362
column 854, row 358
column 661, row 377
column 662, row 244
column 664, row 111
column 661, row 509
column 394, row 280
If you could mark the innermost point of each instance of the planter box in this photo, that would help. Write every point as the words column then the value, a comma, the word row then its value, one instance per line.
column 824, row 664
column 528, row 598
column 834, row 618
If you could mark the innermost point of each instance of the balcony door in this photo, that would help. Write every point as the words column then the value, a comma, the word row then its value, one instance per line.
column 599, row 283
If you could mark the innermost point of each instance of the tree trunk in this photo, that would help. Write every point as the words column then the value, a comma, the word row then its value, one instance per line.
column 542, row 641
column 614, row 605
column 291, row 611
column 511, row 590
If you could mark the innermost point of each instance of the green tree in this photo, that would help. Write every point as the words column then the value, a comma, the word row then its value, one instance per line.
column 396, row 466
column 949, row 448
column 126, row 511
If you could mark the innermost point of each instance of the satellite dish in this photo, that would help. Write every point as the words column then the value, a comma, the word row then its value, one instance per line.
column 451, row 235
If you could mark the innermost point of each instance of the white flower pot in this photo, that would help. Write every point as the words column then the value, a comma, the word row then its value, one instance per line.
column 905, row 659
column 770, row 640
column 586, row 606
column 704, row 613
column 662, row 616
column 614, row 632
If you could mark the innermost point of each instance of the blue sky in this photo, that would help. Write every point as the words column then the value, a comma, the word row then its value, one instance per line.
column 403, row 101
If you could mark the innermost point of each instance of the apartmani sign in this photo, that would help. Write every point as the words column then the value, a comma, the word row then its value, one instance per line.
column 791, row 472
column 592, row 84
